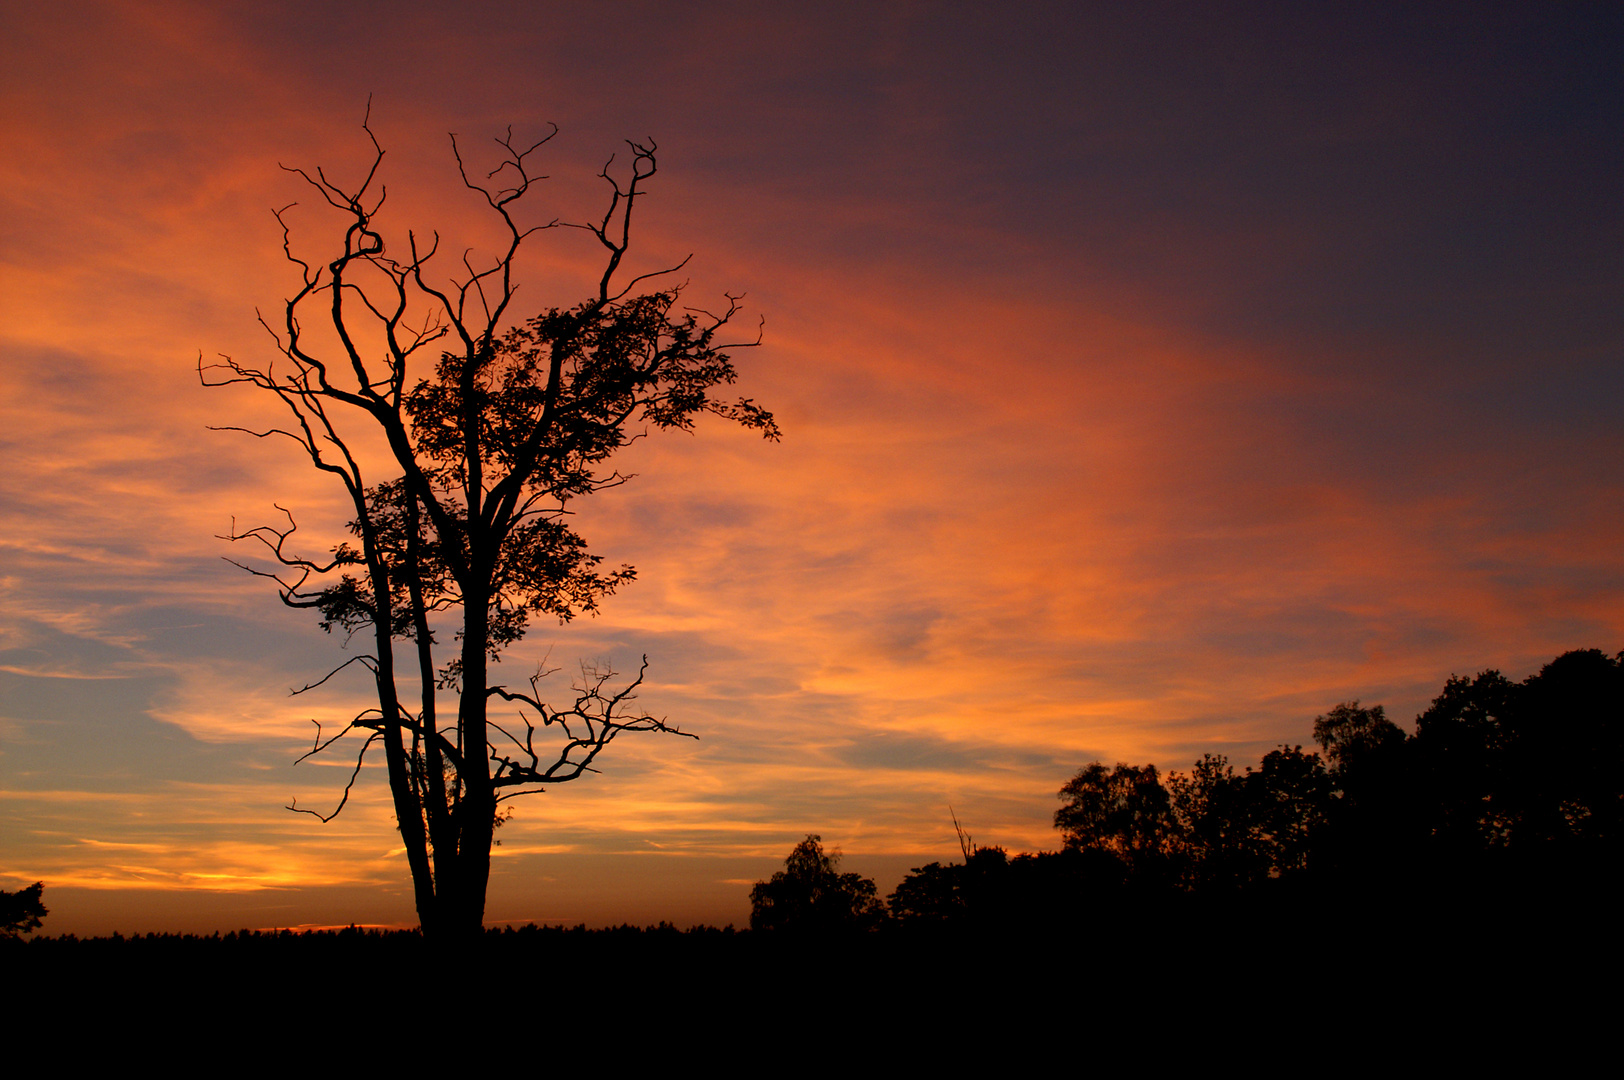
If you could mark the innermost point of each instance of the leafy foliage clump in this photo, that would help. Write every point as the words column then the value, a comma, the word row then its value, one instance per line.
column 21, row 911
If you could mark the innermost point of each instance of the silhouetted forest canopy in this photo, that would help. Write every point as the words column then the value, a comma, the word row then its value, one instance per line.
column 1506, row 796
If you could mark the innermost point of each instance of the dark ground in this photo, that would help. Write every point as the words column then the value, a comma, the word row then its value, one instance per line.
column 1337, row 985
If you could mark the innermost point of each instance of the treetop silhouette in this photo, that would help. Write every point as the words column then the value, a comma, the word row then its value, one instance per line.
column 1511, row 786
column 21, row 911
column 811, row 895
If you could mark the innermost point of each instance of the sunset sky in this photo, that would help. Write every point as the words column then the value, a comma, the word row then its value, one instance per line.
column 1152, row 379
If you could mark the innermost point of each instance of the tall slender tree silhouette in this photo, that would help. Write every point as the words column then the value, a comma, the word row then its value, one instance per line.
column 492, row 426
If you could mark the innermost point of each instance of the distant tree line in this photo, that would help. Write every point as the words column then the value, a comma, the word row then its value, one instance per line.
column 1506, row 803
column 1506, row 795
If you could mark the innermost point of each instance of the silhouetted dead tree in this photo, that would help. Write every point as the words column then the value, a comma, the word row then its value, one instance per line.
column 492, row 427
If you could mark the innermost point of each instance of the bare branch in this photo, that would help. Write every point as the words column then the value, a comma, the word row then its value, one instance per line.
column 966, row 843
column 368, row 662
column 599, row 718
column 359, row 758
column 318, row 745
